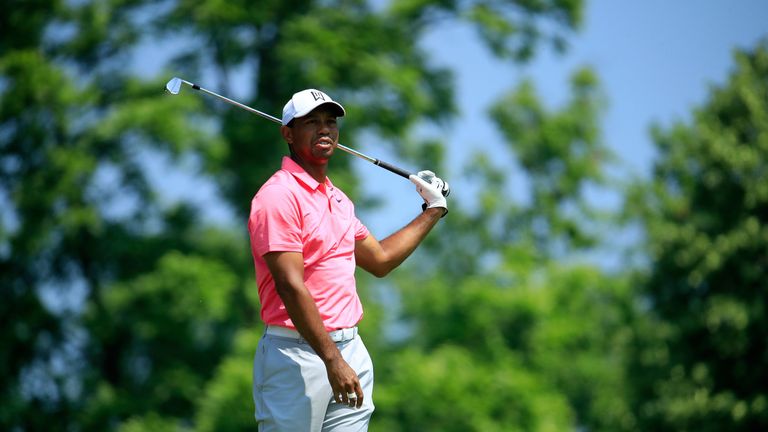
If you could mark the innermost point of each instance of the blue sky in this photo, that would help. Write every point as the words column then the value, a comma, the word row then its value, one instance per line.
column 655, row 59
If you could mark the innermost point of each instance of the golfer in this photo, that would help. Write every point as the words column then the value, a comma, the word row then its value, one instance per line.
column 312, row 371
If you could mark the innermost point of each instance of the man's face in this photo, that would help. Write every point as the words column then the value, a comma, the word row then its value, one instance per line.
column 314, row 137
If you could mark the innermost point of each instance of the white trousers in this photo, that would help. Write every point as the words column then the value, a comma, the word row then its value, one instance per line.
column 292, row 393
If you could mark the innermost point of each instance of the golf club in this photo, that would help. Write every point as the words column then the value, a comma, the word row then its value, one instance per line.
column 174, row 86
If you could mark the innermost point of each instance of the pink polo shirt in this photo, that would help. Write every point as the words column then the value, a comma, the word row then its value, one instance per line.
column 292, row 212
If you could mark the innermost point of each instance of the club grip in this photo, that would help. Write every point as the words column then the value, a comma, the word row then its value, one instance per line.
column 399, row 171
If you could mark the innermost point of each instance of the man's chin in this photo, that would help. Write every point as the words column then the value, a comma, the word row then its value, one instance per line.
column 323, row 153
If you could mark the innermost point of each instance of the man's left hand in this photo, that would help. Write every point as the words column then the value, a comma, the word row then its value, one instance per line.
column 432, row 189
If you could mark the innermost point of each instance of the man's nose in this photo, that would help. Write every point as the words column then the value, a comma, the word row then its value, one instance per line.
column 325, row 127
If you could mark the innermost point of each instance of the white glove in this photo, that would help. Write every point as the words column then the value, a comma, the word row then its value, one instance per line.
column 432, row 188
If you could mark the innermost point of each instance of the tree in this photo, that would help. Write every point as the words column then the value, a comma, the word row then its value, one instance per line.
column 701, row 354
column 514, row 324
column 102, row 276
column 80, row 213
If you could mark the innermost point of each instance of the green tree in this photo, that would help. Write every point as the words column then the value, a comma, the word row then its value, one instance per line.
column 563, row 155
column 508, row 324
column 82, row 220
column 701, row 354
column 126, row 305
column 365, row 56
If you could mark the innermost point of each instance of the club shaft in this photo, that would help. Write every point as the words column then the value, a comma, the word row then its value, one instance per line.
column 389, row 167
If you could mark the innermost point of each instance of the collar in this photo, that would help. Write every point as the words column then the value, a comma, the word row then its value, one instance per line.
column 301, row 175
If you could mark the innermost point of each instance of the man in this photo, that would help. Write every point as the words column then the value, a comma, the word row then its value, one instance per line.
column 312, row 371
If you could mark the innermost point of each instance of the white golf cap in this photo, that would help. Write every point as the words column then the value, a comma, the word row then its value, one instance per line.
column 303, row 102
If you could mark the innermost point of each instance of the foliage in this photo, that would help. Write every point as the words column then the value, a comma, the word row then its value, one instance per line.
column 452, row 389
column 561, row 330
column 562, row 154
column 226, row 402
column 128, row 307
column 706, row 217
column 503, row 304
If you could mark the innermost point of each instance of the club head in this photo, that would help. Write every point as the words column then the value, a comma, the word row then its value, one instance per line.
column 173, row 86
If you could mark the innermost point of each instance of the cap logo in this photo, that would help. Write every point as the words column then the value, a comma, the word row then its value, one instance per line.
column 318, row 95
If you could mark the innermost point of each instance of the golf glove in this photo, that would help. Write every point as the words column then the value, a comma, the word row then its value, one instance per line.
column 432, row 189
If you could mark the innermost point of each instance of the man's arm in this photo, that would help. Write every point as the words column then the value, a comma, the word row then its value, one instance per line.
column 380, row 258
column 287, row 269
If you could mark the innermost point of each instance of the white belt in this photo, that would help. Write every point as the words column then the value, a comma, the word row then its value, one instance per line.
column 340, row 335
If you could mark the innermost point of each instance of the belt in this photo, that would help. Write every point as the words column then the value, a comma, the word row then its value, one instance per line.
column 340, row 335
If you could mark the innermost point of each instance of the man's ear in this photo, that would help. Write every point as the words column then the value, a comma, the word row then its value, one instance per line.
column 287, row 134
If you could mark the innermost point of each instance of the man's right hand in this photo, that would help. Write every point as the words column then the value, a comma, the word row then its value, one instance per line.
column 344, row 383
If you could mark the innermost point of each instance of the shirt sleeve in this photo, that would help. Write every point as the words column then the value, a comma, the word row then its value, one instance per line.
column 361, row 231
column 275, row 221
